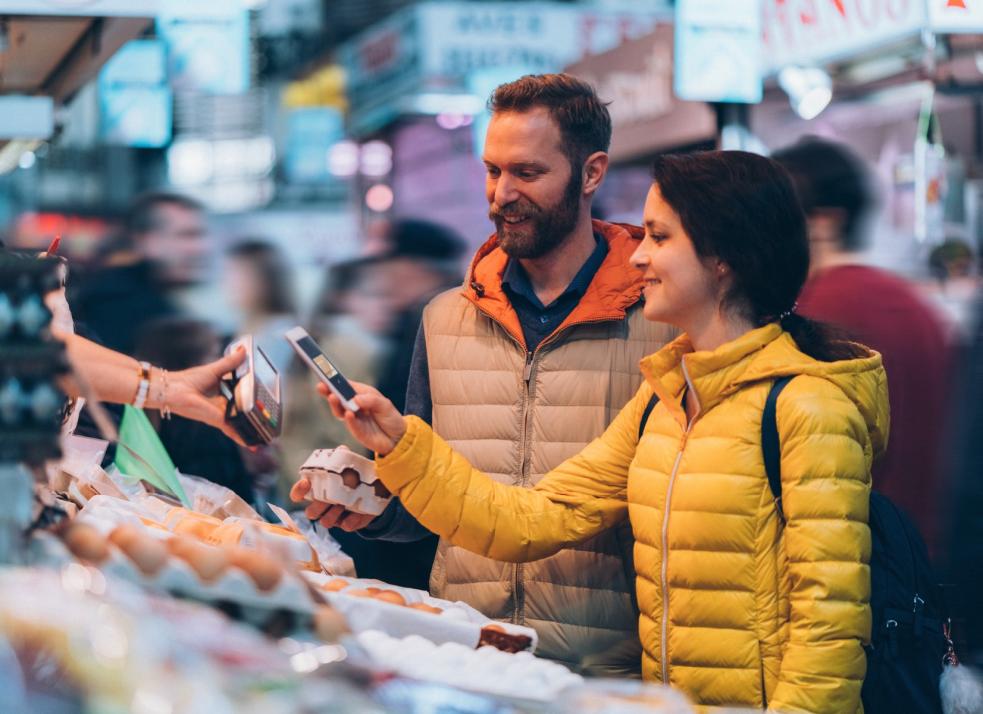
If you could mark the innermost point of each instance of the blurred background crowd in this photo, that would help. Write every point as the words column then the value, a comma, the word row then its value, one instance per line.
column 242, row 166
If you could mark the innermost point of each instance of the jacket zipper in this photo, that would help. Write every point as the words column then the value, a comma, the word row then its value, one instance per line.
column 665, row 527
column 518, row 590
column 518, row 615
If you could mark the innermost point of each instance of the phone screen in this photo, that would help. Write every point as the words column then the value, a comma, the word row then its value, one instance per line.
column 265, row 373
column 311, row 349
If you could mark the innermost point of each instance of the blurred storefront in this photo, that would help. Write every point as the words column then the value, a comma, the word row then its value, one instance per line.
column 419, row 81
column 647, row 118
column 890, row 79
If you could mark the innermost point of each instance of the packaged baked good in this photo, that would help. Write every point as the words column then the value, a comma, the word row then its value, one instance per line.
column 342, row 476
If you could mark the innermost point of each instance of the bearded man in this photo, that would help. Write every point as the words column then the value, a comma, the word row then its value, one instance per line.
column 528, row 362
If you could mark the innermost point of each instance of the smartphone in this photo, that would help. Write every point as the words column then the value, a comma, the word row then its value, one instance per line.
column 308, row 350
column 257, row 415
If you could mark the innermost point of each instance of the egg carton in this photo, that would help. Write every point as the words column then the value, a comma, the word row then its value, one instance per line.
column 234, row 590
column 342, row 476
column 458, row 622
column 160, row 520
column 520, row 677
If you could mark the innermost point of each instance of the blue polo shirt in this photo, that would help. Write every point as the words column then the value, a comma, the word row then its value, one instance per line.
column 539, row 321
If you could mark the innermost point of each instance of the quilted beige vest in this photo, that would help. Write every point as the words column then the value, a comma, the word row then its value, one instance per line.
column 516, row 420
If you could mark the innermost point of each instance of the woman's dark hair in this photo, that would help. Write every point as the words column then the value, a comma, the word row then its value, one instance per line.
column 741, row 208
column 273, row 273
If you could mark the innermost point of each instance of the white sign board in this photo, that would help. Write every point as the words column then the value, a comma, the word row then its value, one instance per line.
column 956, row 16
column 718, row 50
column 458, row 38
column 818, row 31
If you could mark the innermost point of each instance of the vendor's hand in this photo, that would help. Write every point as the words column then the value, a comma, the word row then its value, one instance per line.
column 377, row 425
column 329, row 515
column 194, row 394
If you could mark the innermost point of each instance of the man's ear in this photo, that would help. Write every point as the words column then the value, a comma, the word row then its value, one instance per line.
column 594, row 171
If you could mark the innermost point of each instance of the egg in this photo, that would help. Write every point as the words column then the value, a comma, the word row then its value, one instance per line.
column 147, row 553
column 86, row 543
column 351, row 478
column 263, row 570
column 208, row 562
column 336, row 585
column 424, row 607
column 329, row 624
column 360, row 593
column 391, row 596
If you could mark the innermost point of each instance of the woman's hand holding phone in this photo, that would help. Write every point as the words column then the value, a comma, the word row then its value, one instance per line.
column 377, row 425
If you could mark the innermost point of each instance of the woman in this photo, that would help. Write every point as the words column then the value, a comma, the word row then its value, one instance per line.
column 258, row 281
column 738, row 605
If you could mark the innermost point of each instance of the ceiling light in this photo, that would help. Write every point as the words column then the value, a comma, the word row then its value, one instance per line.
column 809, row 89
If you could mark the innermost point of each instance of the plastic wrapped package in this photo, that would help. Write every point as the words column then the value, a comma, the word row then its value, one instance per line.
column 214, row 500
column 332, row 558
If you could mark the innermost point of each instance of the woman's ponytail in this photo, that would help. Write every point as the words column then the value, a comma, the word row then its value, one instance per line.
column 819, row 340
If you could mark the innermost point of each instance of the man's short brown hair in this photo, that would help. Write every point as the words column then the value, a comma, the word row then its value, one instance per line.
column 582, row 118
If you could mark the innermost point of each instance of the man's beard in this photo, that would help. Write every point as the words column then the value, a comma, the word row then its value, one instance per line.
column 543, row 230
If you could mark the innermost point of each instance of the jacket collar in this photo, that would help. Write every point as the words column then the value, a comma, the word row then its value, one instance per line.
column 614, row 289
column 764, row 354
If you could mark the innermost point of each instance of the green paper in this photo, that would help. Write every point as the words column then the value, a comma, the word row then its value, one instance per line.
column 144, row 457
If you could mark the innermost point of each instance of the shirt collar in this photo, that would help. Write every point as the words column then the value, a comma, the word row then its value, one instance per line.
column 516, row 280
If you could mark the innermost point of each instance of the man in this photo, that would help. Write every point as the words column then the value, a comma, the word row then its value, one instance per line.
column 126, row 304
column 161, row 247
column 530, row 361
column 882, row 311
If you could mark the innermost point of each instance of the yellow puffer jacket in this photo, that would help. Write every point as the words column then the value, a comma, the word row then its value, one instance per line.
column 737, row 608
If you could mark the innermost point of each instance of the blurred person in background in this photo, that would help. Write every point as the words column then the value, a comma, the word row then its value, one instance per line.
column 161, row 248
column 258, row 283
column 386, row 294
column 422, row 260
column 954, row 285
column 529, row 361
column 197, row 449
column 882, row 311
column 963, row 553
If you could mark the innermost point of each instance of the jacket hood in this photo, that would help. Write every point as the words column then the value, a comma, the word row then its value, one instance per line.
column 614, row 288
column 766, row 354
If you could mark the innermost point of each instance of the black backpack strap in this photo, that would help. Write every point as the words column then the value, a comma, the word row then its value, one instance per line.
column 645, row 414
column 770, row 445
